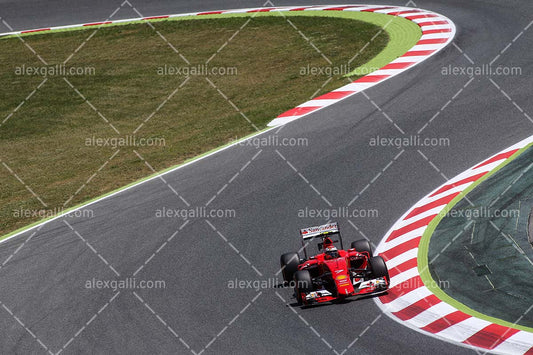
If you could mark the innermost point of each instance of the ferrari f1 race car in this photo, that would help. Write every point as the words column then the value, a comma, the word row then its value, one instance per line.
column 333, row 274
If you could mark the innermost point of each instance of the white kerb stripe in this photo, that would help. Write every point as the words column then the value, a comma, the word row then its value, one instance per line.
column 404, row 238
column 320, row 103
column 386, row 72
column 434, row 27
column 357, row 86
column 432, row 314
column 453, row 190
column 488, row 167
column 426, row 47
column 406, row 300
column 402, row 258
column 404, row 276
column 518, row 343
column 409, row 59
column 417, row 217
column 428, row 19
column 435, row 36
column 463, row 330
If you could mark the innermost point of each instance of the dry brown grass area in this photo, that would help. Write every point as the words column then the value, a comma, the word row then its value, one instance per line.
column 44, row 141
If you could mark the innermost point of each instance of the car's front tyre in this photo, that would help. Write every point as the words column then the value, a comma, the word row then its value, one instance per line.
column 303, row 283
column 289, row 265
column 362, row 245
column 379, row 268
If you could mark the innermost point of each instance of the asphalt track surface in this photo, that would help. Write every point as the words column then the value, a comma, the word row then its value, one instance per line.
column 43, row 283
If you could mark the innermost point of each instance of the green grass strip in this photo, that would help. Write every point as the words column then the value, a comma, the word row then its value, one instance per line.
column 423, row 251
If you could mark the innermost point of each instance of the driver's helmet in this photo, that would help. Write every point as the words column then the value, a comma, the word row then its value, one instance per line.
column 331, row 252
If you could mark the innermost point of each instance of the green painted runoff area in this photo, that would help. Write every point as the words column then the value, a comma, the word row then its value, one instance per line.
column 479, row 253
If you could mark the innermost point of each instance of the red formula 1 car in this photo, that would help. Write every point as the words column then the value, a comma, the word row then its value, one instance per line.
column 333, row 274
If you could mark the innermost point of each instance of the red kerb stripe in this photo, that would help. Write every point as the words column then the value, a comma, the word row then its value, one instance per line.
column 400, row 249
column 441, row 30
column 497, row 157
column 432, row 41
column 410, row 227
column 340, row 8
column 433, row 23
column 491, row 336
column 378, row 8
column 445, row 322
column 402, row 289
column 210, row 13
column 334, row 95
column 417, row 307
column 298, row 111
column 398, row 65
column 441, row 201
column 414, row 17
column 418, row 53
column 409, row 264
column 396, row 13
column 262, row 10
column 371, row 78
column 155, row 17
column 97, row 23
column 458, row 183
column 39, row 30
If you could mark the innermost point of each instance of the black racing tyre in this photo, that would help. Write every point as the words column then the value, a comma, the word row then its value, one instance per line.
column 289, row 264
column 362, row 245
column 379, row 268
column 302, row 283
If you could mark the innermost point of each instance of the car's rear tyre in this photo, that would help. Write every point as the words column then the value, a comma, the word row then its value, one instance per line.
column 302, row 283
column 379, row 268
column 362, row 245
column 289, row 264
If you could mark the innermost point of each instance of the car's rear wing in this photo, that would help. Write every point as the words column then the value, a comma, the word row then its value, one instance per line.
column 324, row 229
column 328, row 229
